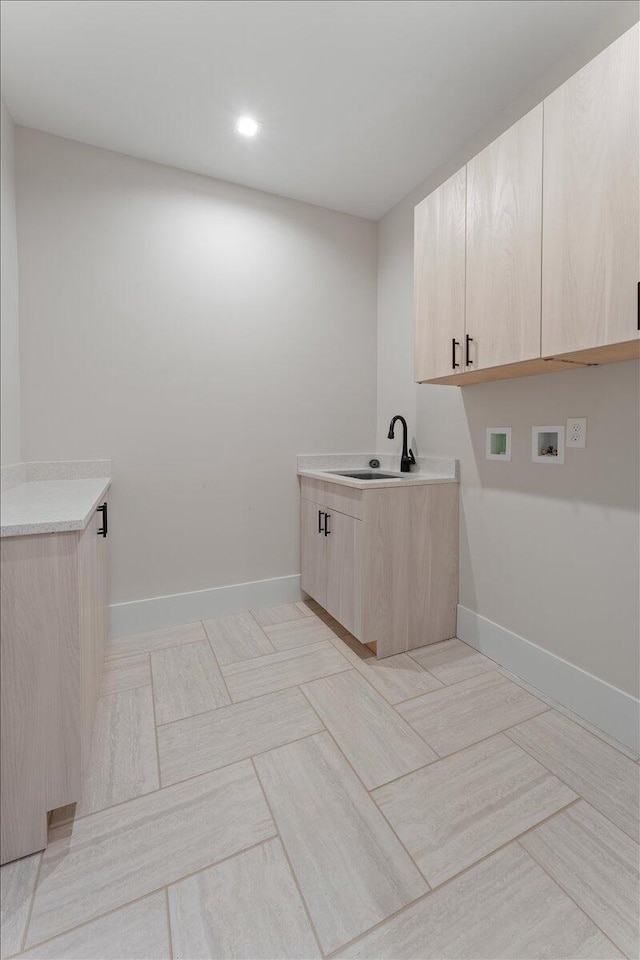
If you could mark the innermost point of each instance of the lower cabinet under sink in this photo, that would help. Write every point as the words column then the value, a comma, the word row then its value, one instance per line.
column 383, row 561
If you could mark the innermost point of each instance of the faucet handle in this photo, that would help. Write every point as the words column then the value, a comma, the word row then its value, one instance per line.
column 412, row 459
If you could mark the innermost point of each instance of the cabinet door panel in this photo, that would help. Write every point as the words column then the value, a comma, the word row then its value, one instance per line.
column 313, row 561
column 344, row 570
column 504, row 258
column 591, row 246
column 103, row 585
column 93, row 561
column 439, row 279
column 385, row 560
column 433, row 568
column 39, row 666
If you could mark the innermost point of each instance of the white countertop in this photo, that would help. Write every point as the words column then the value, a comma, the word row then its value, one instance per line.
column 426, row 470
column 402, row 480
column 50, row 506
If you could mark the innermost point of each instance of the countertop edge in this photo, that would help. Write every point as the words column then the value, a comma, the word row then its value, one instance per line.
column 57, row 526
column 413, row 480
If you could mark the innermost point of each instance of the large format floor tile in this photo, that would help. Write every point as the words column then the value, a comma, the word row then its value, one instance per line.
column 186, row 680
column 378, row 743
column 452, row 660
column 459, row 715
column 596, row 864
column 213, row 740
column 237, row 637
column 266, row 616
column 352, row 649
column 352, row 869
column 277, row 671
column 623, row 748
column 316, row 610
column 454, row 812
column 285, row 636
column 17, row 883
column 397, row 678
column 125, row 673
column 247, row 908
column 154, row 640
column 123, row 853
column 124, row 759
column 311, row 607
column 273, row 837
column 139, row 931
column 605, row 778
column 505, row 908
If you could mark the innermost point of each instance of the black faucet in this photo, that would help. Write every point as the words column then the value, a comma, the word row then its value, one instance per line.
column 407, row 459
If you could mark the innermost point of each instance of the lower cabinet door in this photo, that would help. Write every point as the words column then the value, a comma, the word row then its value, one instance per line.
column 93, row 561
column 343, row 570
column 103, row 589
column 313, row 551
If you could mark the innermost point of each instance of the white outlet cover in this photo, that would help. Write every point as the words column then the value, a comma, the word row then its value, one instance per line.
column 576, row 432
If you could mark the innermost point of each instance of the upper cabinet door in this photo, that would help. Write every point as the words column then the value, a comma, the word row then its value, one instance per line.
column 439, row 269
column 504, row 235
column 591, row 247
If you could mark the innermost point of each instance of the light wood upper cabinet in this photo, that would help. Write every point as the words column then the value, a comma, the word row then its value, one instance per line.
column 504, row 227
column 549, row 215
column 439, row 267
column 591, row 222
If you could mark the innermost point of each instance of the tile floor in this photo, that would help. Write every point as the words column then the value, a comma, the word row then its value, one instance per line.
column 261, row 786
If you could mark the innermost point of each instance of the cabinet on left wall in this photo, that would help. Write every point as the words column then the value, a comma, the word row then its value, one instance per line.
column 55, row 588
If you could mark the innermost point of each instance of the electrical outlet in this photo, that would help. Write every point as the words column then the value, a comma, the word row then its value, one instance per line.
column 576, row 432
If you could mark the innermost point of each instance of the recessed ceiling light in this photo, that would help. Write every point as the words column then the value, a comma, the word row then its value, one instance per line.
column 247, row 126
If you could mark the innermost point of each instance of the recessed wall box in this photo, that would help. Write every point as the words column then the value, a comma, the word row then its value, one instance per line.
column 498, row 443
column 547, row 444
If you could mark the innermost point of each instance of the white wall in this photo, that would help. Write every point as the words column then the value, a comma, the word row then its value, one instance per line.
column 547, row 552
column 10, row 451
column 201, row 335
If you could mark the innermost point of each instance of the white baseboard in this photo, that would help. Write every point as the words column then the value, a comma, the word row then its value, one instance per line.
column 611, row 710
column 138, row 616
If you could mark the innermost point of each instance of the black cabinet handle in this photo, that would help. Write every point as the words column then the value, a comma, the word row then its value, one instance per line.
column 468, row 340
column 320, row 516
column 454, row 343
column 102, row 531
column 326, row 524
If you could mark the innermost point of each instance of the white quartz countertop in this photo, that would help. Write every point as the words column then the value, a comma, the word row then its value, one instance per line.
column 426, row 470
column 50, row 506
column 402, row 480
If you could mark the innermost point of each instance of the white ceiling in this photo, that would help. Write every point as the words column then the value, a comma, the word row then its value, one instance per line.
column 359, row 99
